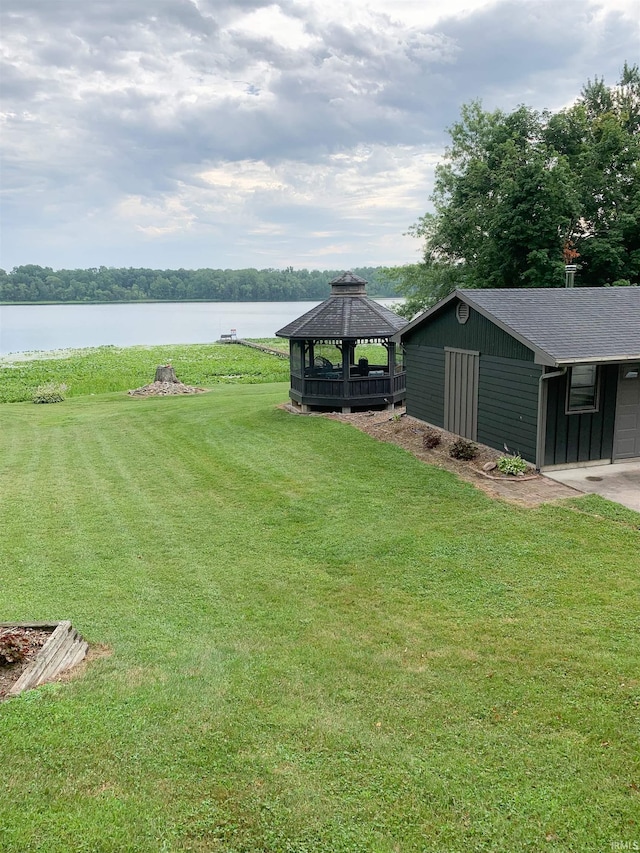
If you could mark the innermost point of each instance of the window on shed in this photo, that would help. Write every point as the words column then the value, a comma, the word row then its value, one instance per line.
column 582, row 389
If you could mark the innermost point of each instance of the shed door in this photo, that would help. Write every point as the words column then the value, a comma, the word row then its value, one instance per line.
column 626, row 438
column 461, row 370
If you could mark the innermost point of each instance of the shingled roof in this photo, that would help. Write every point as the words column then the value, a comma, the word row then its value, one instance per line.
column 347, row 313
column 561, row 325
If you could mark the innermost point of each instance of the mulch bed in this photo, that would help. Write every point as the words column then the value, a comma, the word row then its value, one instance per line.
column 33, row 640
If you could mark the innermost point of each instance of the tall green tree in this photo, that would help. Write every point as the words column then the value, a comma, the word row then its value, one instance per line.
column 519, row 194
column 600, row 137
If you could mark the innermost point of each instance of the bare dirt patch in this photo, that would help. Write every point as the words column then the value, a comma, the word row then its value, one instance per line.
column 407, row 432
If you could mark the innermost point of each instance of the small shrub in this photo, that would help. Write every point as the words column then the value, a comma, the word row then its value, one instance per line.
column 512, row 464
column 13, row 647
column 463, row 449
column 52, row 392
column 431, row 439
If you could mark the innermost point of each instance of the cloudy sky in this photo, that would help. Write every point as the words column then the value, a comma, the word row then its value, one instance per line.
column 236, row 133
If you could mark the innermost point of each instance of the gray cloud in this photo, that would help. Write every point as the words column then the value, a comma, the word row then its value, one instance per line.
column 122, row 99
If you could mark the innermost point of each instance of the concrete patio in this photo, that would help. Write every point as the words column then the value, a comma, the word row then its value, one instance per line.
column 619, row 482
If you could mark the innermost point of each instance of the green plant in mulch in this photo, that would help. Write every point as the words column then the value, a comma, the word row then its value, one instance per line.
column 51, row 392
column 512, row 465
column 463, row 449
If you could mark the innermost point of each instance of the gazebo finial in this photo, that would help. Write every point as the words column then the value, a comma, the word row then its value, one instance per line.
column 348, row 284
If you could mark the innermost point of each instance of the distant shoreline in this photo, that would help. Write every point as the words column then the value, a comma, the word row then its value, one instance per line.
column 169, row 301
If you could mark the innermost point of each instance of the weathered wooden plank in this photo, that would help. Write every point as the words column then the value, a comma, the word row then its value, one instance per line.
column 73, row 656
column 56, row 662
column 32, row 673
column 64, row 648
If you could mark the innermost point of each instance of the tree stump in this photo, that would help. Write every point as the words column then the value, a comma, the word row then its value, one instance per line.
column 165, row 373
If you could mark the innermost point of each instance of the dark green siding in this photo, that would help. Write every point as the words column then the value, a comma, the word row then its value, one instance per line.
column 580, row 437
column 508, row 381
column 508, row 405
column 478, row 333
column 425, row 383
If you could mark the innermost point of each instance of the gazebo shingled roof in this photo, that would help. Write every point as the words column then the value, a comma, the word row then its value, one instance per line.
column 347, row 314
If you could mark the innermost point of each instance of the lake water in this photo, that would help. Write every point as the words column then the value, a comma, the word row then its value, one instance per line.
column 24, row 328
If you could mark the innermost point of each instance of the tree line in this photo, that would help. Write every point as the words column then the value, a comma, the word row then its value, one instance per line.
column 33, row 283
column 520, row 195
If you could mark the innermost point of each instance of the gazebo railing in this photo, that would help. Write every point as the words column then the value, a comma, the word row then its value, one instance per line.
column 367, row 386
column 362, row 386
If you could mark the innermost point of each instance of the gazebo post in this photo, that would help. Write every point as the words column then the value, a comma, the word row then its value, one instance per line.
column 346, row 348
column 391, row 365
column 391, row 356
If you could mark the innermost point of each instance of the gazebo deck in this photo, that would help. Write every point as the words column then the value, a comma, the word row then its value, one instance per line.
column 356, row 392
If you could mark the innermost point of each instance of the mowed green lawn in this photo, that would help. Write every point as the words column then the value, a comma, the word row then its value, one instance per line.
column 317, row 642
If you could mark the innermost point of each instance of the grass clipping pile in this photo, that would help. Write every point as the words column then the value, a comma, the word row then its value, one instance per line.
column 165, row 384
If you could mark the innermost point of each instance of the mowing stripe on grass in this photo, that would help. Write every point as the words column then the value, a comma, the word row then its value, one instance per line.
column 319, row 643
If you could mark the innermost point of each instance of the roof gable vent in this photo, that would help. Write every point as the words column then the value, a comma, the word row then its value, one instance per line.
column 462, row 312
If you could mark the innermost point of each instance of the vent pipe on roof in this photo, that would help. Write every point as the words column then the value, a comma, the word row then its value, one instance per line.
column 569, row 274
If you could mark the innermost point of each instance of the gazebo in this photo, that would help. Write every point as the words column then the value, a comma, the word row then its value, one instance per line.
column 342, row 356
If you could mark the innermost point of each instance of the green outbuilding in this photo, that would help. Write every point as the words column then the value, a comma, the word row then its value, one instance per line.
column 551, row 374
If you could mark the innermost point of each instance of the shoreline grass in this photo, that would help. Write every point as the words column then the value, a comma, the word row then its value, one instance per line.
column 318, row 642
column 98, row 370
